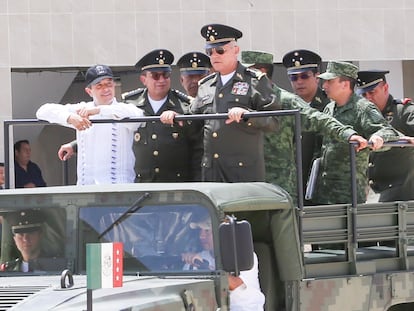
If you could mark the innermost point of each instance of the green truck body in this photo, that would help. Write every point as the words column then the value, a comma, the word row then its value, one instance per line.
column 333, row 257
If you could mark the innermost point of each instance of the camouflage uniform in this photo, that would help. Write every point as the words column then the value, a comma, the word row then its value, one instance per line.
column 280, row 152
column 334, row 180
column 234, row 152
column 166, row 153
column 391, row 173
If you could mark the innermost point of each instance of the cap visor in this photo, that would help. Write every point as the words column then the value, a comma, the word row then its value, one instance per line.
column 299, row 70
column 99, row 79
column 214, row 45
column 327, row 76
column 26, row 230
column 363, row 90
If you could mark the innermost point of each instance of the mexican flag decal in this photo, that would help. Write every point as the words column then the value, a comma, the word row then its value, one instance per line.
column 104, row 265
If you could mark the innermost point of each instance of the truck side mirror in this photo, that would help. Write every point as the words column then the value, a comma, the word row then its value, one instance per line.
column 236, row 245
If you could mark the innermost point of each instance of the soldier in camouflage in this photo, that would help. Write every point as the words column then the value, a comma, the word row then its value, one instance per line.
column 334, row 180
column 391, row 173
column 280, row 147
column 164, row 153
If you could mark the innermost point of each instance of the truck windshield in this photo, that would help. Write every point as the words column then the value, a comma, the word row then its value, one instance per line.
column 154, row 237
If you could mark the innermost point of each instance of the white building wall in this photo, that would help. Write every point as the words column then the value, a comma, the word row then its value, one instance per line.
column 71, row 33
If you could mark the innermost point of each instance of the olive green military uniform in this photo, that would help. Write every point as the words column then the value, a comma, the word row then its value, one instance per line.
column 280, row 152
column 334, row 179
column 234, row 152
column 165, row 153
column 391, row 173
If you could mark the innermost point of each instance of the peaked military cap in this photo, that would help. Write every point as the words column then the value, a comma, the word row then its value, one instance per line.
column 194, row 63
column 25, row 221
column 369, row 79
column 97, row 73
column 250, row 58
column 156, row 60
column 218, row 34
column 337, row 69
column 298, row 61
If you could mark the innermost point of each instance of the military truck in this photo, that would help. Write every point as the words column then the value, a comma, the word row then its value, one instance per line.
column 308, row 258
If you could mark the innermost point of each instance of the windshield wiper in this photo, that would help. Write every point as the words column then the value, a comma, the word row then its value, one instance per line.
column 134, row 207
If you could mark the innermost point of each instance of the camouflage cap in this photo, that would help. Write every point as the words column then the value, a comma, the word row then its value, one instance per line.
column 249, row 58
column 337, row 69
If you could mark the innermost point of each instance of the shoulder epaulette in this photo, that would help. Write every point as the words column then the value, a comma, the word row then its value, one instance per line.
column 182, row 96
column 129, row 94
column 206, row 78
column 404, row 101
column 255, row 72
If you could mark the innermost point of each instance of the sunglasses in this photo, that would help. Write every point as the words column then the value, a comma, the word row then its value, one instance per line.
column 303, row 76
column 219, row 50
column 157, row 75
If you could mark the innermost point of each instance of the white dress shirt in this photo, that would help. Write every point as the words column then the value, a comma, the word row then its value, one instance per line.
column 105, row 153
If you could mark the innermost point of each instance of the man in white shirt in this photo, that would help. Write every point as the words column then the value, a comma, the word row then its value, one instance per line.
column 105, row 153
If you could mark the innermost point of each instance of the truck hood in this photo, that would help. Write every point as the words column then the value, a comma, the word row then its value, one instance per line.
column 137, row 293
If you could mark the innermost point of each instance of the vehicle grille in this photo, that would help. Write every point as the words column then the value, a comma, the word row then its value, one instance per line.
column 12, row 295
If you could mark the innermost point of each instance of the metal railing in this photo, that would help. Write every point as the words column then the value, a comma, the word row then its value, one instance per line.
column 217, row 116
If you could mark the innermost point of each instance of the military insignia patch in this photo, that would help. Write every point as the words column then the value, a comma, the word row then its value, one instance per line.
column 240, row 88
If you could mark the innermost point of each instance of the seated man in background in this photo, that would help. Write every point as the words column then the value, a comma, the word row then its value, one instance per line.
column 27, row 173
column 245, row 292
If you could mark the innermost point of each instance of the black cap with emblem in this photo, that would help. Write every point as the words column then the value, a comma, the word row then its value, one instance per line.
column 97, row 73
column 25, row 221
column 218, row 34
column 298, row 61
column 156, row 60
column 368, row 79
column 194, row 63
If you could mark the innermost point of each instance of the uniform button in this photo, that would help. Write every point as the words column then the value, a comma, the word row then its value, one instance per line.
column 154, row 136
column 153, row 122
column 155, row 153
column 370, row 164
column 240, row 163
column 371, row 182
column 156, row 170
column 220, row 95
column 390, row 186
column 216, row 156
column 204, row 165
column 249, row 124
column 236, row 99
column 178, row 175
column 214, row 134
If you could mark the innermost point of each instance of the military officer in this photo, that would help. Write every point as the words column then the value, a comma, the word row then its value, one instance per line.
column 233, row 148
column 164, row 153
column 303, row 67
column 27, row 232
column 193, row 67
column 391, row 173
